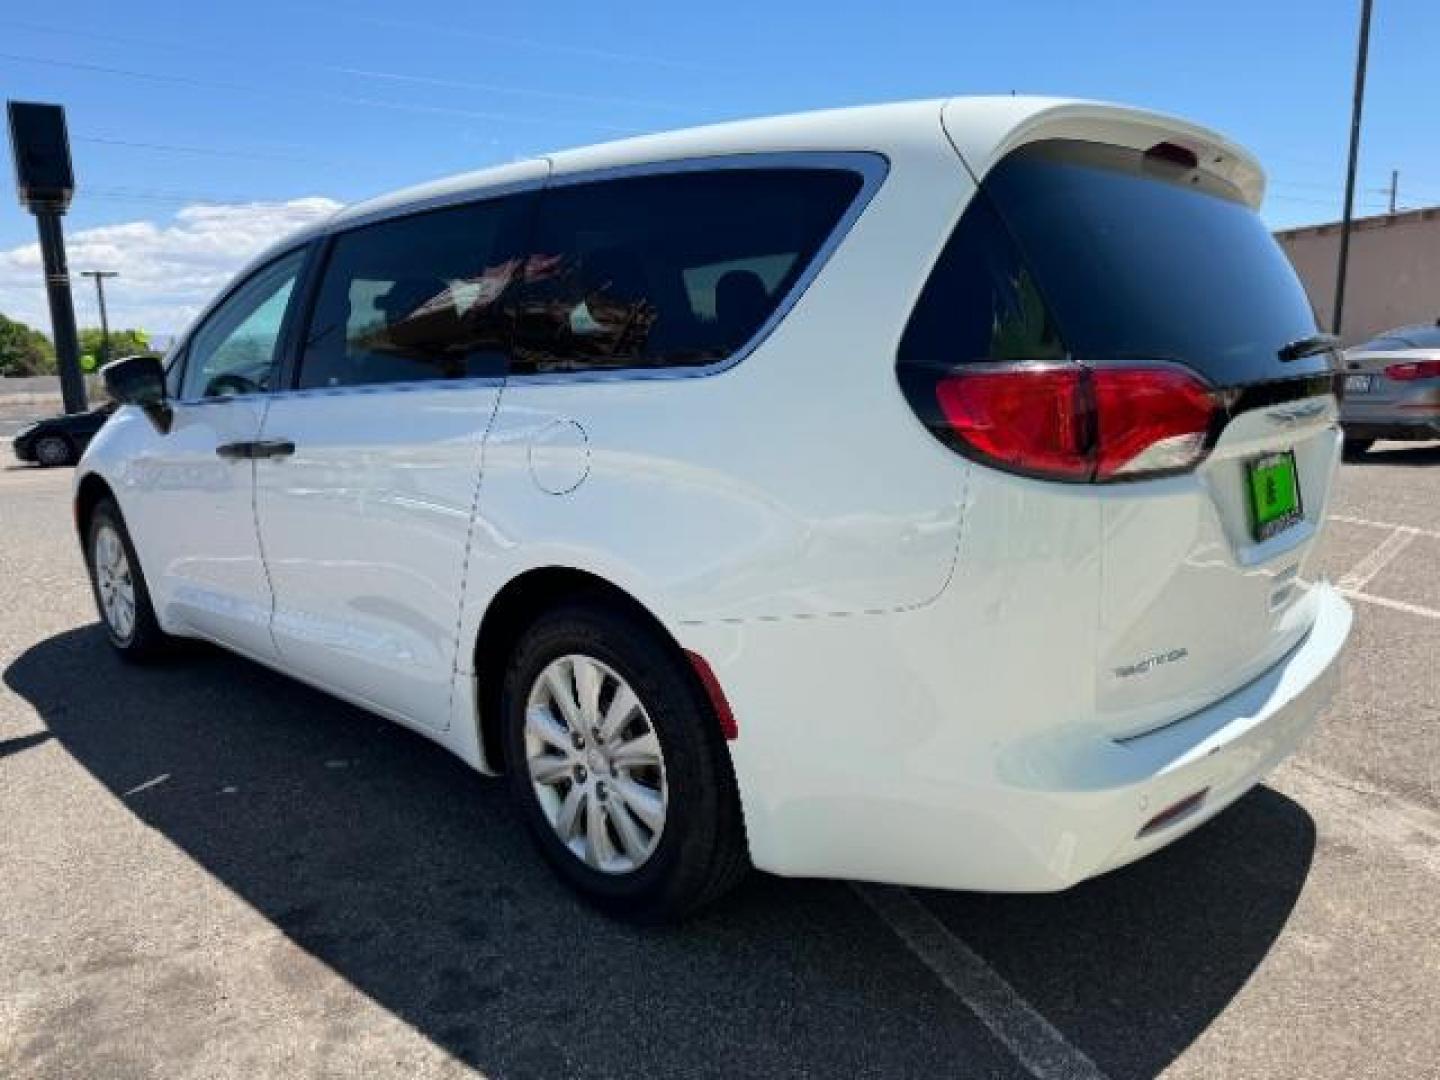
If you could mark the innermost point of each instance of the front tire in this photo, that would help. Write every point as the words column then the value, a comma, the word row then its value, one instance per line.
column 54, row 450
column 120, row 591
column 618, row 765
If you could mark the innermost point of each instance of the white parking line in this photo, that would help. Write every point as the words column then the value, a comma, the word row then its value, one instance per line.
column 1032, row 1039
column 1360, row 575
column 1368, row 523
column 1395, row 605
column 1364, row 812
column 1412, row 831
column 148, row 784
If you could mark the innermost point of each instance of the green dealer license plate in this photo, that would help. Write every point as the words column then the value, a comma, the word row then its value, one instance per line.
column 1274, row 494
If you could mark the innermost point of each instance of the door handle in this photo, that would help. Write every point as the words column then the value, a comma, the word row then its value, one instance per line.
column 270, row 448
column 263, row 448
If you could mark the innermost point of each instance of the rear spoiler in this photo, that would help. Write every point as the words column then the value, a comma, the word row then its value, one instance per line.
column 984, row 130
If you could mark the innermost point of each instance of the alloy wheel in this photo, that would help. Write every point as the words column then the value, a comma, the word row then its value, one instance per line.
column 596, row 764
column 114, row 582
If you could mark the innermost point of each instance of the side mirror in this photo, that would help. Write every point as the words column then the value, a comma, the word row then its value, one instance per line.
column 139, row 380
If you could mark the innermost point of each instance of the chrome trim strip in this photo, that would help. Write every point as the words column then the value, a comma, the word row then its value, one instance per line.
column 864, row 162
column 411, row 386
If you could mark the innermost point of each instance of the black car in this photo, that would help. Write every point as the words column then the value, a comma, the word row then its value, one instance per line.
column 60, row 440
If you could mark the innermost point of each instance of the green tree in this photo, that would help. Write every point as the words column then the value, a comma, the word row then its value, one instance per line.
column 24, row 351
column 122, row 343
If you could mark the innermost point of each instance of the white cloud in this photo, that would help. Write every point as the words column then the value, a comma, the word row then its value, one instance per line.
column 168, row 270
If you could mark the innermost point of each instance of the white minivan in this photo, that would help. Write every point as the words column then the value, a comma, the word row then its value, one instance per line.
column 925, row 493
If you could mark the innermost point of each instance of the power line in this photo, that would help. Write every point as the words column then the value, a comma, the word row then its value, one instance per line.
column 208, row 151
column 589, row 52
column 190, row 49
column 491, row 88
column 242, row 88
column 166, row 195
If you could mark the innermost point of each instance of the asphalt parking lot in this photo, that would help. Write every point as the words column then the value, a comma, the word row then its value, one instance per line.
column 207, row 870
column 17, row 415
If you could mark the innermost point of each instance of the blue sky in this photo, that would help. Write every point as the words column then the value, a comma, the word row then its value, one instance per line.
column 204, row 111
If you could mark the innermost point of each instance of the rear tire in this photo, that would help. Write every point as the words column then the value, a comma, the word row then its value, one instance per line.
column 121, row 595
column 1356, row 447
column 683, row 845
column 52, row 451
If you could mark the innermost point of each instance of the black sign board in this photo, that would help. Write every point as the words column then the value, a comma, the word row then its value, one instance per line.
column 41, row 147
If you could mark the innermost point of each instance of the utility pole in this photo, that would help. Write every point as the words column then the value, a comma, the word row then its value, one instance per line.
column 100, row 276
column 1360, row 59
column 1394, row 187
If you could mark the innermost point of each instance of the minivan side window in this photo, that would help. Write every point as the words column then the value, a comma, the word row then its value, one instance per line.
column 669, row 270
column 418, row 297
column 233, row 351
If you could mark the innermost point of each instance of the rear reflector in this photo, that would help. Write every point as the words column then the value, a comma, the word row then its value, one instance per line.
column 723, row 713
column 1173, row 814
column 1413, row 369
column 1072, row 422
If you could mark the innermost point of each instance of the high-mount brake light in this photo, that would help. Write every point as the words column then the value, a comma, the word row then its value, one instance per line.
column 1068, row 421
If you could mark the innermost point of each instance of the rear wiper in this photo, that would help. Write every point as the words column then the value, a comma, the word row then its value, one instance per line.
column 1307, row 346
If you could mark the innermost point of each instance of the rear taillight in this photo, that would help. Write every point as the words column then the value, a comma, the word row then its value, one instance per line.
column 1031, row 419
column 1149, row 420
column 1072, row 422
column 1413, row 369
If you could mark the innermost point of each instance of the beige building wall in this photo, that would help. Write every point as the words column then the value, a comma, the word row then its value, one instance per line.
column 1394, row 276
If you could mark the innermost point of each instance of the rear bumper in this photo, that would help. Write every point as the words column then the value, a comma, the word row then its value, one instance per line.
column 1396, row 429
column 1230, row 747
column 889, row 782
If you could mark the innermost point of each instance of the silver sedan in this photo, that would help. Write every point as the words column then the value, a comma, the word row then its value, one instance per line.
column 1392, row 388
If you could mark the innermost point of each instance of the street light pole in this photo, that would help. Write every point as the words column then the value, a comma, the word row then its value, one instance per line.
column 100, row 276
column 1360, row 60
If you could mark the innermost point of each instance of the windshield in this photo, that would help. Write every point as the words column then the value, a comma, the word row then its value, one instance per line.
column 1143, row 258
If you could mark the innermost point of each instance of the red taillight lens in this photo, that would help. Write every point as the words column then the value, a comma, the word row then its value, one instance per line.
column 1413, row 369
column 1071, row 422
column 1031, row 419
column 1149, row 420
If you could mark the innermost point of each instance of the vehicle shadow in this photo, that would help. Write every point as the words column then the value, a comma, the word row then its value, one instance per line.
column 410, row 877
column 1133, row 966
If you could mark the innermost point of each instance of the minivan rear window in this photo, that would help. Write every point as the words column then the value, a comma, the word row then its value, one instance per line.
column 1105, row 254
